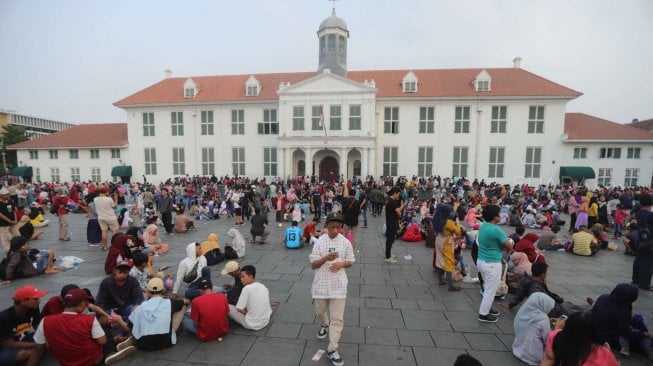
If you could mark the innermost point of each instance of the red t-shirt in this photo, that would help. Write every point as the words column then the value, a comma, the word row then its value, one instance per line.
column 70, row 340
column 210, row 311
column 600, row 356
column 54, row 306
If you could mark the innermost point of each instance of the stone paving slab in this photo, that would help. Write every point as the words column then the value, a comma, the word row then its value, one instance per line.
column 396, row 314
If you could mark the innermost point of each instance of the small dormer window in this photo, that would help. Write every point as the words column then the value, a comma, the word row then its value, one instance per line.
column 409, row 83
column 483, row 82
column 252, row 87
column 190, row 88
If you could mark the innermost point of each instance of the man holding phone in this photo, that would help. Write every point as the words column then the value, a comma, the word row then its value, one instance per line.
column 330, row 255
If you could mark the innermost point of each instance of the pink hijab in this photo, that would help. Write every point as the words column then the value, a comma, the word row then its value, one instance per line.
column 520, row 260
column 151, row 236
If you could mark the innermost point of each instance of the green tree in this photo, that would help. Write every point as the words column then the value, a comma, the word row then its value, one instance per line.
column 12, row 134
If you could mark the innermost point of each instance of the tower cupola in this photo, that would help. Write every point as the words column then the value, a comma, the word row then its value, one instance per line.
column 333, row 35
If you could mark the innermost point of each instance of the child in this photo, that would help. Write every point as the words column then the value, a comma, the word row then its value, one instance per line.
column 620, row 216
column 142, row 269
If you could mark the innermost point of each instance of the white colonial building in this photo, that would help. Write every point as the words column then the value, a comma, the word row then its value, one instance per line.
column 500, row 124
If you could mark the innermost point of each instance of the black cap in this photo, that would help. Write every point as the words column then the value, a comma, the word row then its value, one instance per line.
column 204, row 284
column 334, row 216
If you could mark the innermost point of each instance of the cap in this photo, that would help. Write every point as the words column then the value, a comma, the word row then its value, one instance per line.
column 334, row 216
column 29, row 292
column 76, row 296
column 230, row 267
column 156, row 285
column 124, row 264
column 205, row 284
column 4, row 191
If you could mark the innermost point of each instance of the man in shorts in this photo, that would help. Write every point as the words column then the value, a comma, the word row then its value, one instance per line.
column 105, row 207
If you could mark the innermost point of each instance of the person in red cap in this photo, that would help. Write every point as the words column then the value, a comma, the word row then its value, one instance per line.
column 82, row 340
column 18, row 324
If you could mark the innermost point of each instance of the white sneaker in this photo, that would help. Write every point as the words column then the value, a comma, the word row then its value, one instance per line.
column 120, row 355
column 391, row 260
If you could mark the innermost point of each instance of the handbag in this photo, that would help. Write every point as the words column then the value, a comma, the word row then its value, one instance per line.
column 192, row 275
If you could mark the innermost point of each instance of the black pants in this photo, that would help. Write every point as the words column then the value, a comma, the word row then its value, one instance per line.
column 166, row 217
column 390, row 235
column 643, row 269
column 572, row 221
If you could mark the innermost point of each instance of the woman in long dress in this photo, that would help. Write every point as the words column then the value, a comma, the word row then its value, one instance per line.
column 581, row 216
column 445, row 260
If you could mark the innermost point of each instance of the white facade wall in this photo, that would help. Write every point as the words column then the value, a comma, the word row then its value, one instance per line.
column 42, row 167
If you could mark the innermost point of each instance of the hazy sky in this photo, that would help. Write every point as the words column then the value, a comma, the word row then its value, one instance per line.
column 70, row 60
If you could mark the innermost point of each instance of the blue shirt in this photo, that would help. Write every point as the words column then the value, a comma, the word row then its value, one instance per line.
column 293, row 237
column 490, row 243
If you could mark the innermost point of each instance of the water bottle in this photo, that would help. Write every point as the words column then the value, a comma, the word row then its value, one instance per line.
column 75, row 264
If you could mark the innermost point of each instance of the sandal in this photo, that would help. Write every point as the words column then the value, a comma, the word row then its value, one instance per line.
column 104, row 247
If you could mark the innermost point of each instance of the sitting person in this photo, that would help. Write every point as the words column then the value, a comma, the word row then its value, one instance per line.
column 56, row 305
column 584, row 243
column 518, row 234
column 429, row 233
column 549, row 241
column 23, row 262
column 142, row 269
column 514, row 218
column 183, row 223
column 26, row 229
column 211, row 250
column 613, row 321
column 532, row 326
column 292, row 237
column 191, row 270
column 153, row 241
column 118, row 251
column 258, row 226
column 232, row 291
column 253, row 309
column 527, row 246
column 310, row 231
column 236, row 248
column 528, row 219
column 208, row 314
column 412, row 233
column 631, row 239
column 119, row 293
column 36, row 216
column 571, row 343
column 599, row 234
column 18, row 324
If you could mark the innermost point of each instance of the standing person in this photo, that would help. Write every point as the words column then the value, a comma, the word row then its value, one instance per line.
column 445, row 261
column 165, row 208
column 643, row 263
column 18, row 324
column 362, row 198
column 106, row 213
column 81, row 343
column 60, row 202
column 8, row 228
column 351, row 209
column 208, row 314
column 316, row 203
column 253, row 308
column 258, row 226
column 491, row 242
column 330, row 255
column 93, row 230
column 393, row 210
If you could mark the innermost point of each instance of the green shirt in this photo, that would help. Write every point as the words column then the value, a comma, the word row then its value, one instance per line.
column 490, row 243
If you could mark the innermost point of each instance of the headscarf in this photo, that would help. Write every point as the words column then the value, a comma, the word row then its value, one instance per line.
column 210, row 243
column 150, row 236
column 535, row 309
column 624, row 295
column 521, row 262
column 442, row 211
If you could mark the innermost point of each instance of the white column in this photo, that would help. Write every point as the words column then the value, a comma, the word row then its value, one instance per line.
column 282, row 163
column 308, row 159
column 371, row 162
column 364, row 158
column 288, row 160
column 343, row 162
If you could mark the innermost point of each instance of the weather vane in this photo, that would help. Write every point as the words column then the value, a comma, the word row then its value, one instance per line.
column 334, row 4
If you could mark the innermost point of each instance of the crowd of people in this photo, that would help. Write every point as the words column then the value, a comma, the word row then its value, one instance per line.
column 138, row 307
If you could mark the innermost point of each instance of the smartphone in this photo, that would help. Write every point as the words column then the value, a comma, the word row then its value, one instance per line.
column 332, row 250
column 161, row 269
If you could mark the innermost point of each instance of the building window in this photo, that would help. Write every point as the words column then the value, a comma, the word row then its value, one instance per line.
column 631, row 177
column 95, row 175
column 178, row 161
column 148, row 124
column 207, row 123
column 269, row 126
column 497, row 159
column 424, row 161
column 536, row 119
column 331, row 43
column 634, row 153
column 237, row 122
column 95, row 153
column 498, row 122
column 357, row 168
column 354, row 117
column 73, row 153
column 270, row 161
column 335, row 117
column 208, row 161
column 115, row 153
column 33, row 154
column 238, row 160
column 317, row 118
column 390, row 161
column 54, row 154
column 610, row 153
column 150, row 161
column 252, row 87
column 177, row 123
column 298, row 118
column 252, row 90
column 461, row 121
column 37, row 174
column 410, row 86
column 533, row 162
column 427, row 120
column 301, row 168
column 580, row 153
column 605, row 177
column 341, row 44
column 391, row 120
column 74, row 175
column 54, row 175
column 482, row 85
column 189, row 92
column 460, row 158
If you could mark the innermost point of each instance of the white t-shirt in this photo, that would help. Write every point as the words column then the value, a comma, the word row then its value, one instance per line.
column 255, row 297
column 235, row 199
column 104, row 207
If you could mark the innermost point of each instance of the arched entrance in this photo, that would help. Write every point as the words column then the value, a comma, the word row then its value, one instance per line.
column 329, row 169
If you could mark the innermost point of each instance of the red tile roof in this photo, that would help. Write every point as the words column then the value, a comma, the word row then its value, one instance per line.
column 506, row 82
column 89, row 135
column 644, row 125
column 581, row 126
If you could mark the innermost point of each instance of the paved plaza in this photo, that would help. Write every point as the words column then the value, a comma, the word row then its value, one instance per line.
column 396, row 314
